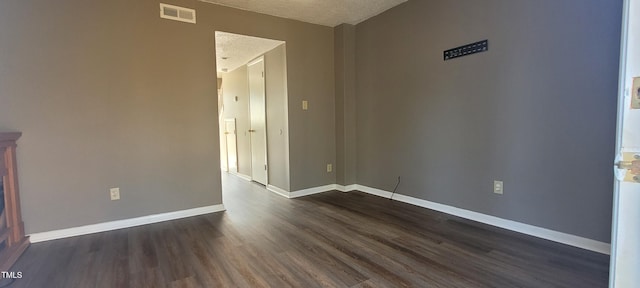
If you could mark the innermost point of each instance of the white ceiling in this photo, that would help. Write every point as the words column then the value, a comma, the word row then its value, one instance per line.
column 240, row 49
column 324, row 12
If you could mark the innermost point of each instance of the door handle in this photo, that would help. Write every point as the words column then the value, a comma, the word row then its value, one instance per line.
column 251, row 130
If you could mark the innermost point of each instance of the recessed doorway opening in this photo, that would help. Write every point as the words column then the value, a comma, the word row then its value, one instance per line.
column 252, row 108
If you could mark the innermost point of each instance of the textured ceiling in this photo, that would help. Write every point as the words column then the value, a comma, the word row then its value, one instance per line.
column 239, row 49
column 324, row 12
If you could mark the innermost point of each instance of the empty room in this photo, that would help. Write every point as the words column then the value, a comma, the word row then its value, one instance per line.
column 334, row 143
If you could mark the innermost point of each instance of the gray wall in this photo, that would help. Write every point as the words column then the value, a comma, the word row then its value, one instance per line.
column 236, row 83
column 108, row 94
column 345, row 62
column 277, row 121
column 537, row 111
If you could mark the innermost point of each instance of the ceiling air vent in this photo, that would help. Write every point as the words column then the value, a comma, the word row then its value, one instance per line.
column 177, row 13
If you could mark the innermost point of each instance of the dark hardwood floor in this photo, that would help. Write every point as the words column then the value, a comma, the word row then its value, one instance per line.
column 332, row 239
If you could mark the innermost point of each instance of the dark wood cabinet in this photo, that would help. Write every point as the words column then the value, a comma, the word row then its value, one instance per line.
column 12, row 239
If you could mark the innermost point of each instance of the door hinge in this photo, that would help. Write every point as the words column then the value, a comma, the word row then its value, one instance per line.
column 265, row 167
column 627, row 166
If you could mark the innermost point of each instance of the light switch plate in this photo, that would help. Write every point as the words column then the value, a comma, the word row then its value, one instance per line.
column 115, row 193
column 329, row 167
column 635, row 93
column 498, row 187
column 305, row 105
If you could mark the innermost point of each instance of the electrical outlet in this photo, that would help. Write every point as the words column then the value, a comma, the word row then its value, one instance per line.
column 498, row 187
column 329, row 167
column 305, row 105
column 115, row 193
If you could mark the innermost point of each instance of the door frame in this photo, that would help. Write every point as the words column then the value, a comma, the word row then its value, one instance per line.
column 621, row 108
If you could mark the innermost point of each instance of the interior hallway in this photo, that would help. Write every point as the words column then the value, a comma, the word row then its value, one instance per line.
column 331, row 239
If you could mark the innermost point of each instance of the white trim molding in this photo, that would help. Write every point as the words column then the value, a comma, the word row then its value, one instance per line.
column 121, row 224
column 279, row 191
column 304, row 192
column 560, row 237
column 242, row 176
column 347, row 188
column 314, row 190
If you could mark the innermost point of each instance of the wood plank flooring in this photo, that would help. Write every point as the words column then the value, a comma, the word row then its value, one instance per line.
column 331, row 239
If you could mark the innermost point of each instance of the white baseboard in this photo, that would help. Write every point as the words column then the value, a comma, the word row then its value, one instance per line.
column 279, row 191
column 301, row 193
column 560, row 237
column 120, row 224
column 245, row 177
column 314, row 190
column 535, row 231
column 347, row 188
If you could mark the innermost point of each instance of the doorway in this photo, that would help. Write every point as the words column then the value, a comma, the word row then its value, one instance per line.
column 253, row 85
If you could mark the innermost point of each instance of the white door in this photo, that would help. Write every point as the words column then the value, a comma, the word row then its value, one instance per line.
column 258, row 121
column 231, row 144
column 625, row 240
